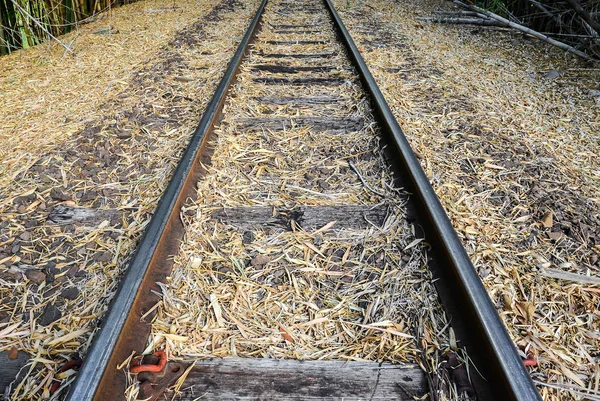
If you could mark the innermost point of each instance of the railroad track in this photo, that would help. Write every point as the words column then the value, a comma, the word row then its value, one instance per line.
column 300, row 225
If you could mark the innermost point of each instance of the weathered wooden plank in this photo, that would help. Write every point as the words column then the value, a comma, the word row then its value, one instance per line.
column 296, row 31
column 282, row 55
column 292, row 70
column 300, row 81
column 330, row 124
column 307, row 217
column 62, row 214
column 302, row 101
column 284, row 26
column 286, row 380
column 296, row 42
column 11, row 363
column 300, row 8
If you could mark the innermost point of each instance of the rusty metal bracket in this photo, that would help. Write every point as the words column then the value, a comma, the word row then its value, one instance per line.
column 73, row 363
column 154, row 384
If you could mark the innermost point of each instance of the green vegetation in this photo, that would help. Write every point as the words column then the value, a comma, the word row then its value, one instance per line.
column 25, row 23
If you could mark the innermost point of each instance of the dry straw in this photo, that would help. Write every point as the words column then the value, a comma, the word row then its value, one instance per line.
column 506, row 129
column 329, row 292
column 139, row 95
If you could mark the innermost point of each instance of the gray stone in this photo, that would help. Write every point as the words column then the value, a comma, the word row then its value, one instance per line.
column 50, row 315
column 70, row 293
column 35, row 276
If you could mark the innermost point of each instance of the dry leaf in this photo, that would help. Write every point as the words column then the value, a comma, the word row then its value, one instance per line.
column 547, row 220
column 286, row 335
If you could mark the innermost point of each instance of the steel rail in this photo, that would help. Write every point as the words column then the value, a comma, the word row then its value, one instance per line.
column 490, row 345
column 154, row 244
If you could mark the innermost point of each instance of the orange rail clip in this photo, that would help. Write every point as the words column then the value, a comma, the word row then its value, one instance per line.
column 149, row 367
column 74, row 363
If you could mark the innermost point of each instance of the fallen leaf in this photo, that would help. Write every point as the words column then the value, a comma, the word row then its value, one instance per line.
column 555, row 235
column 286, row 336
column 507, row 301
column 217, row 309
column 196, row 263
column 260, row 260
column 552, row 74
column 547, row 220
column 526, row 310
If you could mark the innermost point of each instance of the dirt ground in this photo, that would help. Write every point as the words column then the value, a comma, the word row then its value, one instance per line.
column 507, row 130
